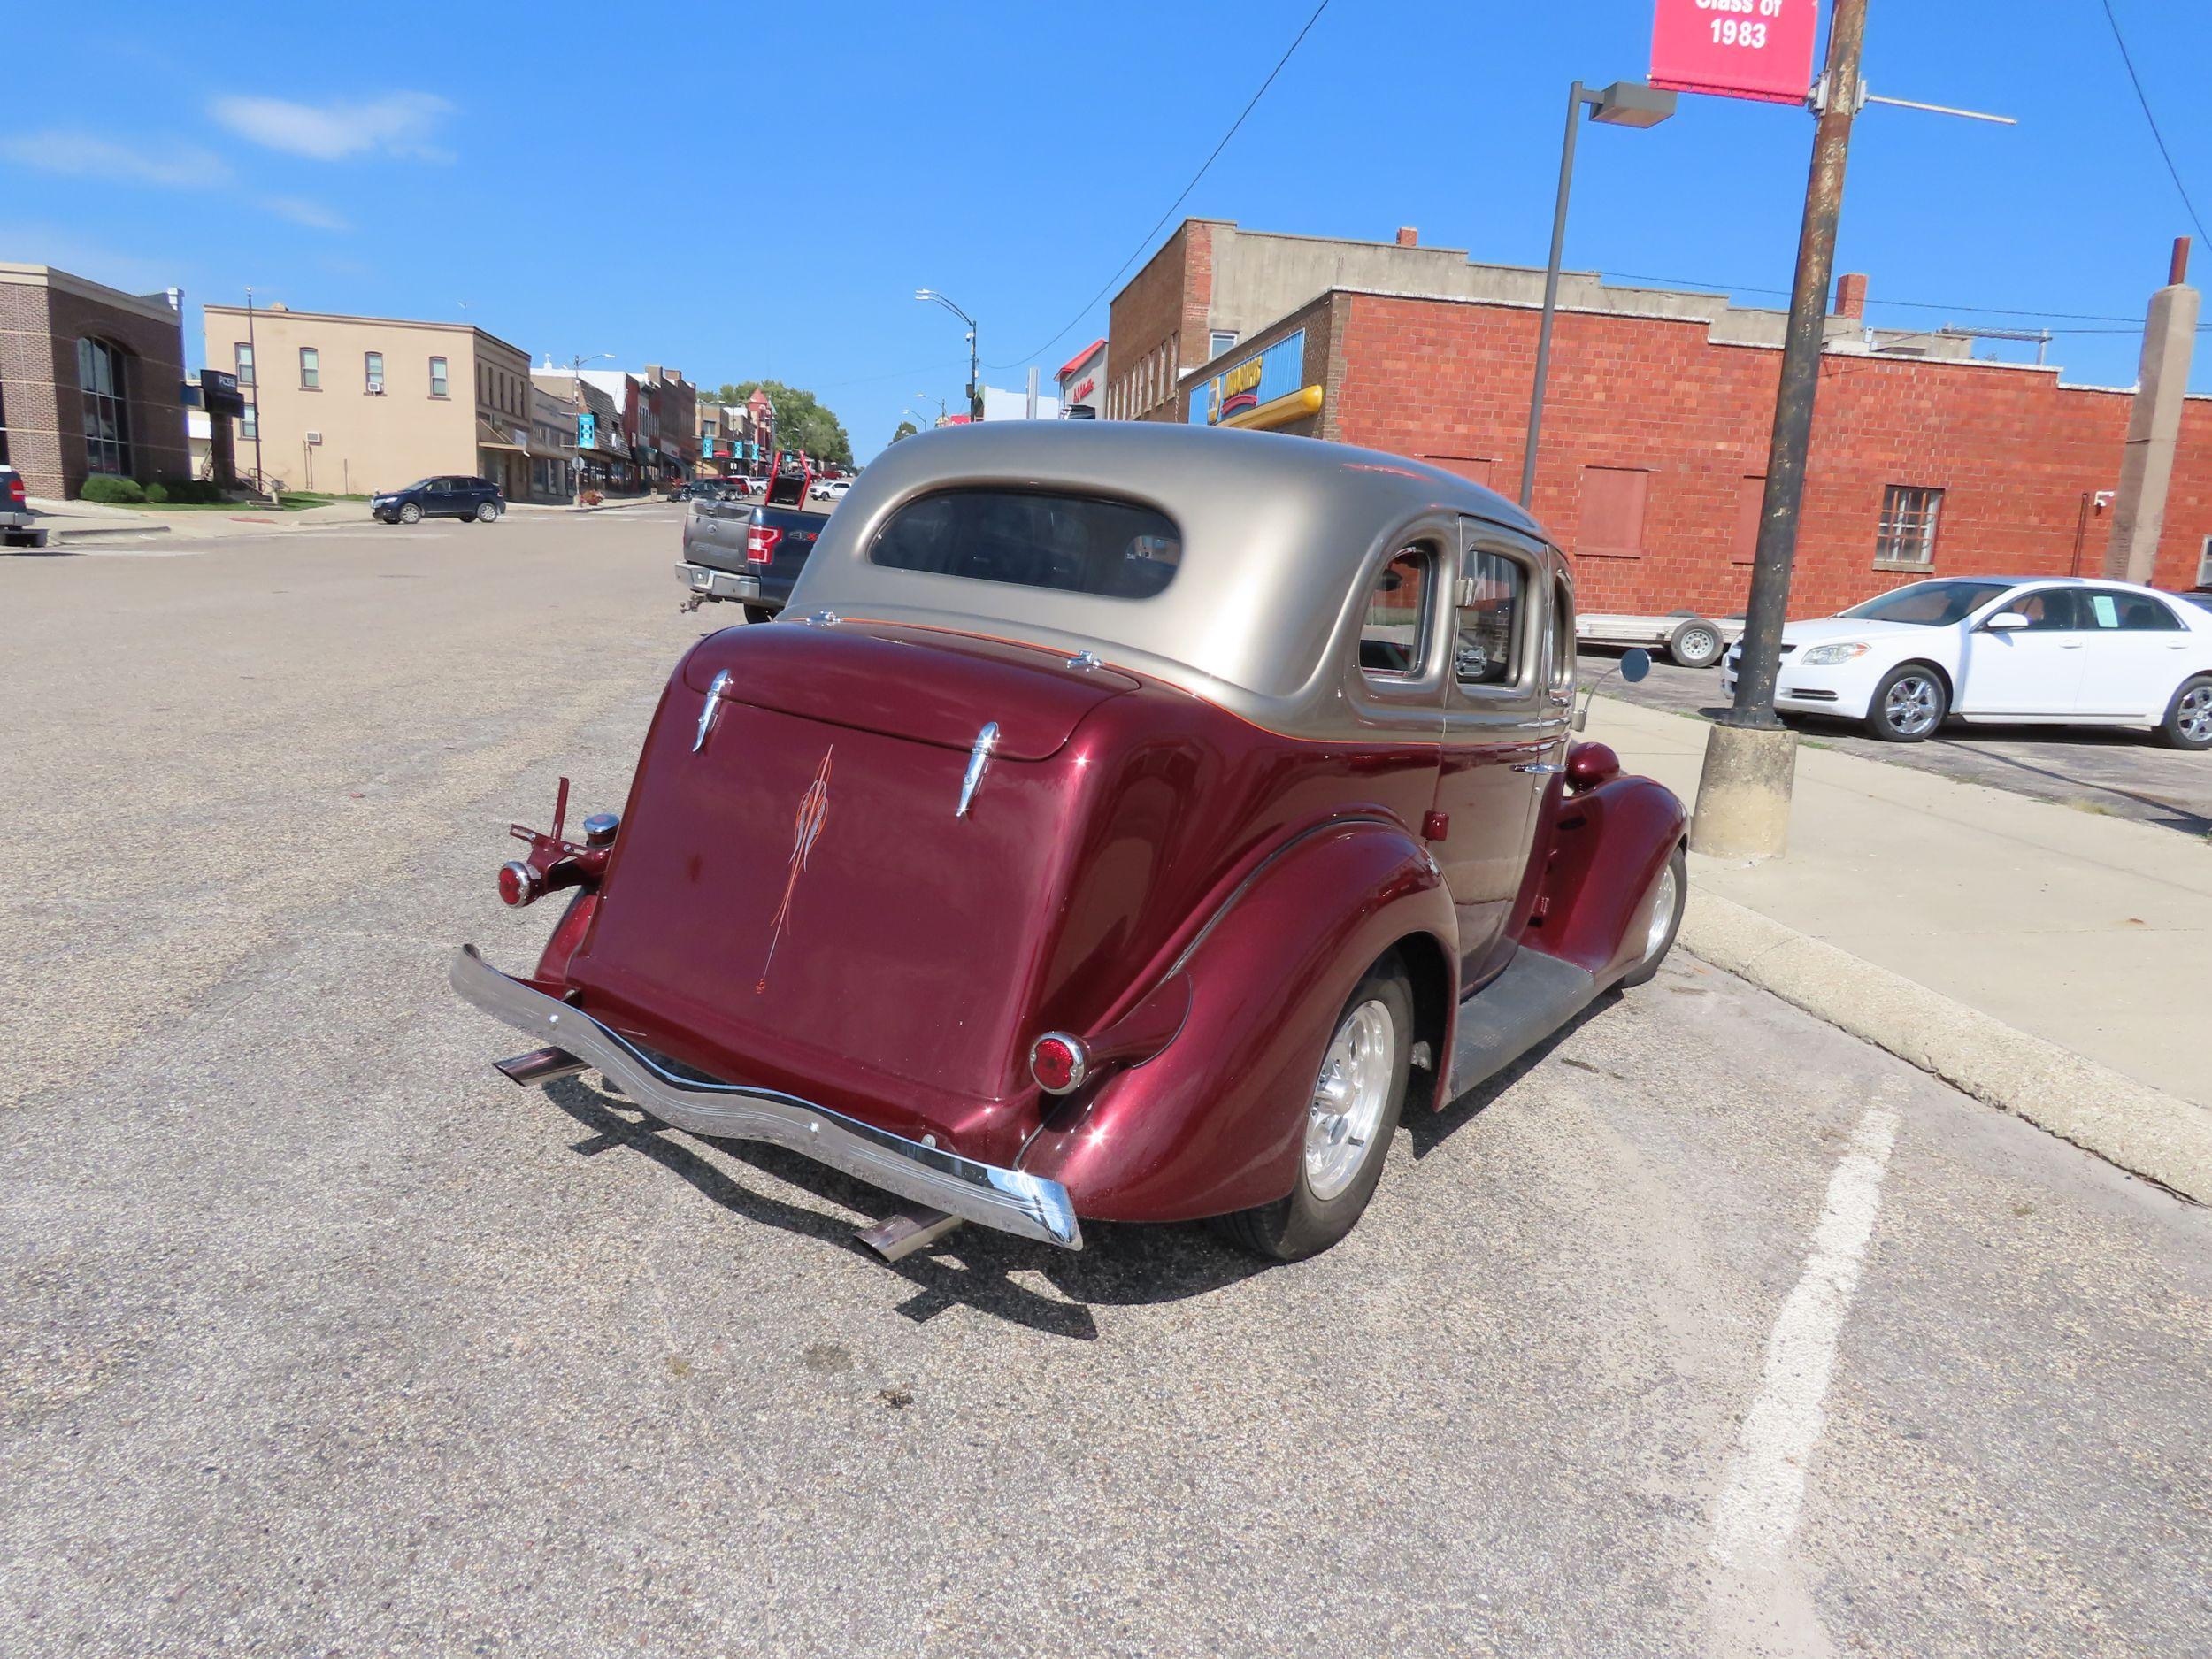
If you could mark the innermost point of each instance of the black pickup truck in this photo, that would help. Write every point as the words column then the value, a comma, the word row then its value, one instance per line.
column 745, row 554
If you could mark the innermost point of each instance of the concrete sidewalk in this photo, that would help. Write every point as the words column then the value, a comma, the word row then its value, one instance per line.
column 1973, row 932
column 67, row 523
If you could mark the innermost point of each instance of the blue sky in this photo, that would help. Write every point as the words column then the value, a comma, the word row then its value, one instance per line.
column 574, row 177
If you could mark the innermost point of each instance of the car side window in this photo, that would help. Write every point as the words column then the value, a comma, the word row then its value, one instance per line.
column 1394, row 635
column 1562, row 636
column 2129, row 613
column 2048, row 609
column 1488, row 647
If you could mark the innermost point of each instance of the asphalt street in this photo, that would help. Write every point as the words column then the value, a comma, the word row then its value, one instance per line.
column 1707, row 1331
column 2124, row 774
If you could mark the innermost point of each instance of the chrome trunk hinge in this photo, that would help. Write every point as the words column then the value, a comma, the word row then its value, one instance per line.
column 979, row 757
column 707, row 713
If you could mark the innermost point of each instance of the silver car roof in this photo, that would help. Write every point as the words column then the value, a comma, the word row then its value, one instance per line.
column 1276, row 533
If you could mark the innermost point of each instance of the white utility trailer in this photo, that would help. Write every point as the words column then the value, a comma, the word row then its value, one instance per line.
column 1689, row 640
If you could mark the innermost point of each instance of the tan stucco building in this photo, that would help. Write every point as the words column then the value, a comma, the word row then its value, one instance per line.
column 354, row 404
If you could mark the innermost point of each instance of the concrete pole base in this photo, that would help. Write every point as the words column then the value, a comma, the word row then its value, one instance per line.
column 1743, row 795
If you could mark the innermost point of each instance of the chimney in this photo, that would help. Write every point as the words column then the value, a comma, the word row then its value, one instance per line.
column 1408, row 237
column 1851, row 294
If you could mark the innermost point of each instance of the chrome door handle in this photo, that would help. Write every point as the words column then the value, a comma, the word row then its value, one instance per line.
column 1542, row 768
column 709, row 708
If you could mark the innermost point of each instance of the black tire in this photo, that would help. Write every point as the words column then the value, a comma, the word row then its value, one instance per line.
column 1696, row 644
column 759, row 613
column 1299, row 1224
column 1908, row 705
column 486, row 512
column 2188, row 722
column 410, row 513
column 1647, row 967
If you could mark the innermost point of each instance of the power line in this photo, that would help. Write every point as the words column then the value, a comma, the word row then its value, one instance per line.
column 2160, row 138
column 1107, row 286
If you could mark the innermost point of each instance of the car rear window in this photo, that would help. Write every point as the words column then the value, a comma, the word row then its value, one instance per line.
column 1034, row 539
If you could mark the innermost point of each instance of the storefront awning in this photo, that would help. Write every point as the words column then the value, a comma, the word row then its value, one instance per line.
column 490, row 437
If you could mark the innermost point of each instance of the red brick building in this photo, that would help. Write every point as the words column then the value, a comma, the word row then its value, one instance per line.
column 1656, row 418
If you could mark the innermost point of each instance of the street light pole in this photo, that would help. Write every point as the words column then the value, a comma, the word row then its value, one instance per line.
column 1623, row 104
column 1743, row 793
column 260, row 479
column 975, row 377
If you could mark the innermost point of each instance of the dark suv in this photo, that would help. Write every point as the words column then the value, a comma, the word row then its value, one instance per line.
column 445, row 498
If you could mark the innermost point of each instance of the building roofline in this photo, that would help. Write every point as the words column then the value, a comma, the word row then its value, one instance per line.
column 352, row 317
column 150, row 305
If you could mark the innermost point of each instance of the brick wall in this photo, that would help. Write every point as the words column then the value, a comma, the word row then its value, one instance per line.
column 1157, row 326
column 40, row 326
column 2011, row 449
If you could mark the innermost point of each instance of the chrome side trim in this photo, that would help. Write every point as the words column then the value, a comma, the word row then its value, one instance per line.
column 979, row 759
column 1011, row 1201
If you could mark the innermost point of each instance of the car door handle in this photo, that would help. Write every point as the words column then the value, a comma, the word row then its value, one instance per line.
column 1542, row 768
column 2069, row 645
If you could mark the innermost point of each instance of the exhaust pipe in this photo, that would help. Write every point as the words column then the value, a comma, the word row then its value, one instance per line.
column 541, row 1066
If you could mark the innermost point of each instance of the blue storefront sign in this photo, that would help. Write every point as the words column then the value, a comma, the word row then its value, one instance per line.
column 1260, row 379
column 586, row 430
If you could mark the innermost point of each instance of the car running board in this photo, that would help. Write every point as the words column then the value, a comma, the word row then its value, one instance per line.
column 1532, row 999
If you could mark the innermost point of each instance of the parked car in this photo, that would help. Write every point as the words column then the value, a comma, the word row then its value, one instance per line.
column 19, row 526
column 747, row 555
column 1142, row 817
column 441, row 497
column 2039, row 651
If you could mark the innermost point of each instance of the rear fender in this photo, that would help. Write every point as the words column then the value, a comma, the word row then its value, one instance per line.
column 1608, row 846
column 1213, row 1123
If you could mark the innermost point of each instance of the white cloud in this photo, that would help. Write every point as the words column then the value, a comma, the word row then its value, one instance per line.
column 398, row 126
column 87, row 156
column 300, row 211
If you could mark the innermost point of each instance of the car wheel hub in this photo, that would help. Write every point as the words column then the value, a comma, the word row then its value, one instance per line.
column 1910, row 705
column 2196, row 713
column 1349, row 1098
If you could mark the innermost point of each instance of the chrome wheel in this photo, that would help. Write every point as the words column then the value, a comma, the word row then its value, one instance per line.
column 1664, row 903
column 1349, row 1098
column 1913, row 704
column 2192, row 715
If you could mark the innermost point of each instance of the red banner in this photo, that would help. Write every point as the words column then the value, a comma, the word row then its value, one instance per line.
column 1735, row 49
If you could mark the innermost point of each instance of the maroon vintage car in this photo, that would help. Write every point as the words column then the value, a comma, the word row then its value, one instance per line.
column 1139, row 820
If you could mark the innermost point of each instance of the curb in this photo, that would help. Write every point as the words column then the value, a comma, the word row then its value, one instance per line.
column 2143, row 1130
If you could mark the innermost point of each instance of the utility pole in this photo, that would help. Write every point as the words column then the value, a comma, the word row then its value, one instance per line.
column 1743, row 795
column 260, row 477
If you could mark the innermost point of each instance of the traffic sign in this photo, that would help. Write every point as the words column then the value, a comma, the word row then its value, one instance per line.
column 1735, row 49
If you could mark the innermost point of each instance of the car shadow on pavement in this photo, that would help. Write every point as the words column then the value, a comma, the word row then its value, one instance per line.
column 1430, row 1130
column 974, row 1267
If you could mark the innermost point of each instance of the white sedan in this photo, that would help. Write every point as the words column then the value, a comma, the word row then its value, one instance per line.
column 2006, row 650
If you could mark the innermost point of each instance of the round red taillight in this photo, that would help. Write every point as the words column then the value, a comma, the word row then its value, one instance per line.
column 1058, row 1063
column 518, row 884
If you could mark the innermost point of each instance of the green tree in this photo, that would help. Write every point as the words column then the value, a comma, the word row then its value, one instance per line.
column 801, row 422
column 907, row 429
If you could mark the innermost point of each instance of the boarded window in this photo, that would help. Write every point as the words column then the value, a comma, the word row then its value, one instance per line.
column 1750, row 496
column 1474, row 468
column 1612, row 519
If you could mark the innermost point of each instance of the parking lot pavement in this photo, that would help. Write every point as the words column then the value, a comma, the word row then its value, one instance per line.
column 1707, row 1331
column 2126, row 774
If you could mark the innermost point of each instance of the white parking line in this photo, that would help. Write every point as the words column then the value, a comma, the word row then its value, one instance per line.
column 1758, row 1506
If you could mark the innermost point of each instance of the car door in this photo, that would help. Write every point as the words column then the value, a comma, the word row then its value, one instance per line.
column 1504, row 742
column 2025, row 671
column 438, row 498
column 2135, row 653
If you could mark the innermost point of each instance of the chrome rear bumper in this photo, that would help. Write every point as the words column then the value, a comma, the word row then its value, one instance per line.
column 1009, row 1200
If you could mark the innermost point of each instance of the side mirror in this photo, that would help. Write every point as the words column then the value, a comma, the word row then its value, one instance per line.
column 1635, row 664
column 2006, row 622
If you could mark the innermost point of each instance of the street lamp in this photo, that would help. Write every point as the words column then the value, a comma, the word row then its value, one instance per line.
column 1623, row 104
column 577, row 364
column 975, row 382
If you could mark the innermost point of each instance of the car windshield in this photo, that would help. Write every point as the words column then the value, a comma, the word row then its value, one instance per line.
column 420, row 483
column 1037, row 539
column 1930, row 604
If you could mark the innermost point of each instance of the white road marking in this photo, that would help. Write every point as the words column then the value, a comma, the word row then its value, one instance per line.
column 1759, row 1505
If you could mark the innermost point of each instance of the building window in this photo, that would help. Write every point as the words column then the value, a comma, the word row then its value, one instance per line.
column 1220, row 340
column 437, row 377
column 2204, row 563
column 373, row 370
column 250, row 423
column 107, row 439
column 1907, row 531
column 245, row 363
column 1612, row 511
column 310, row 369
